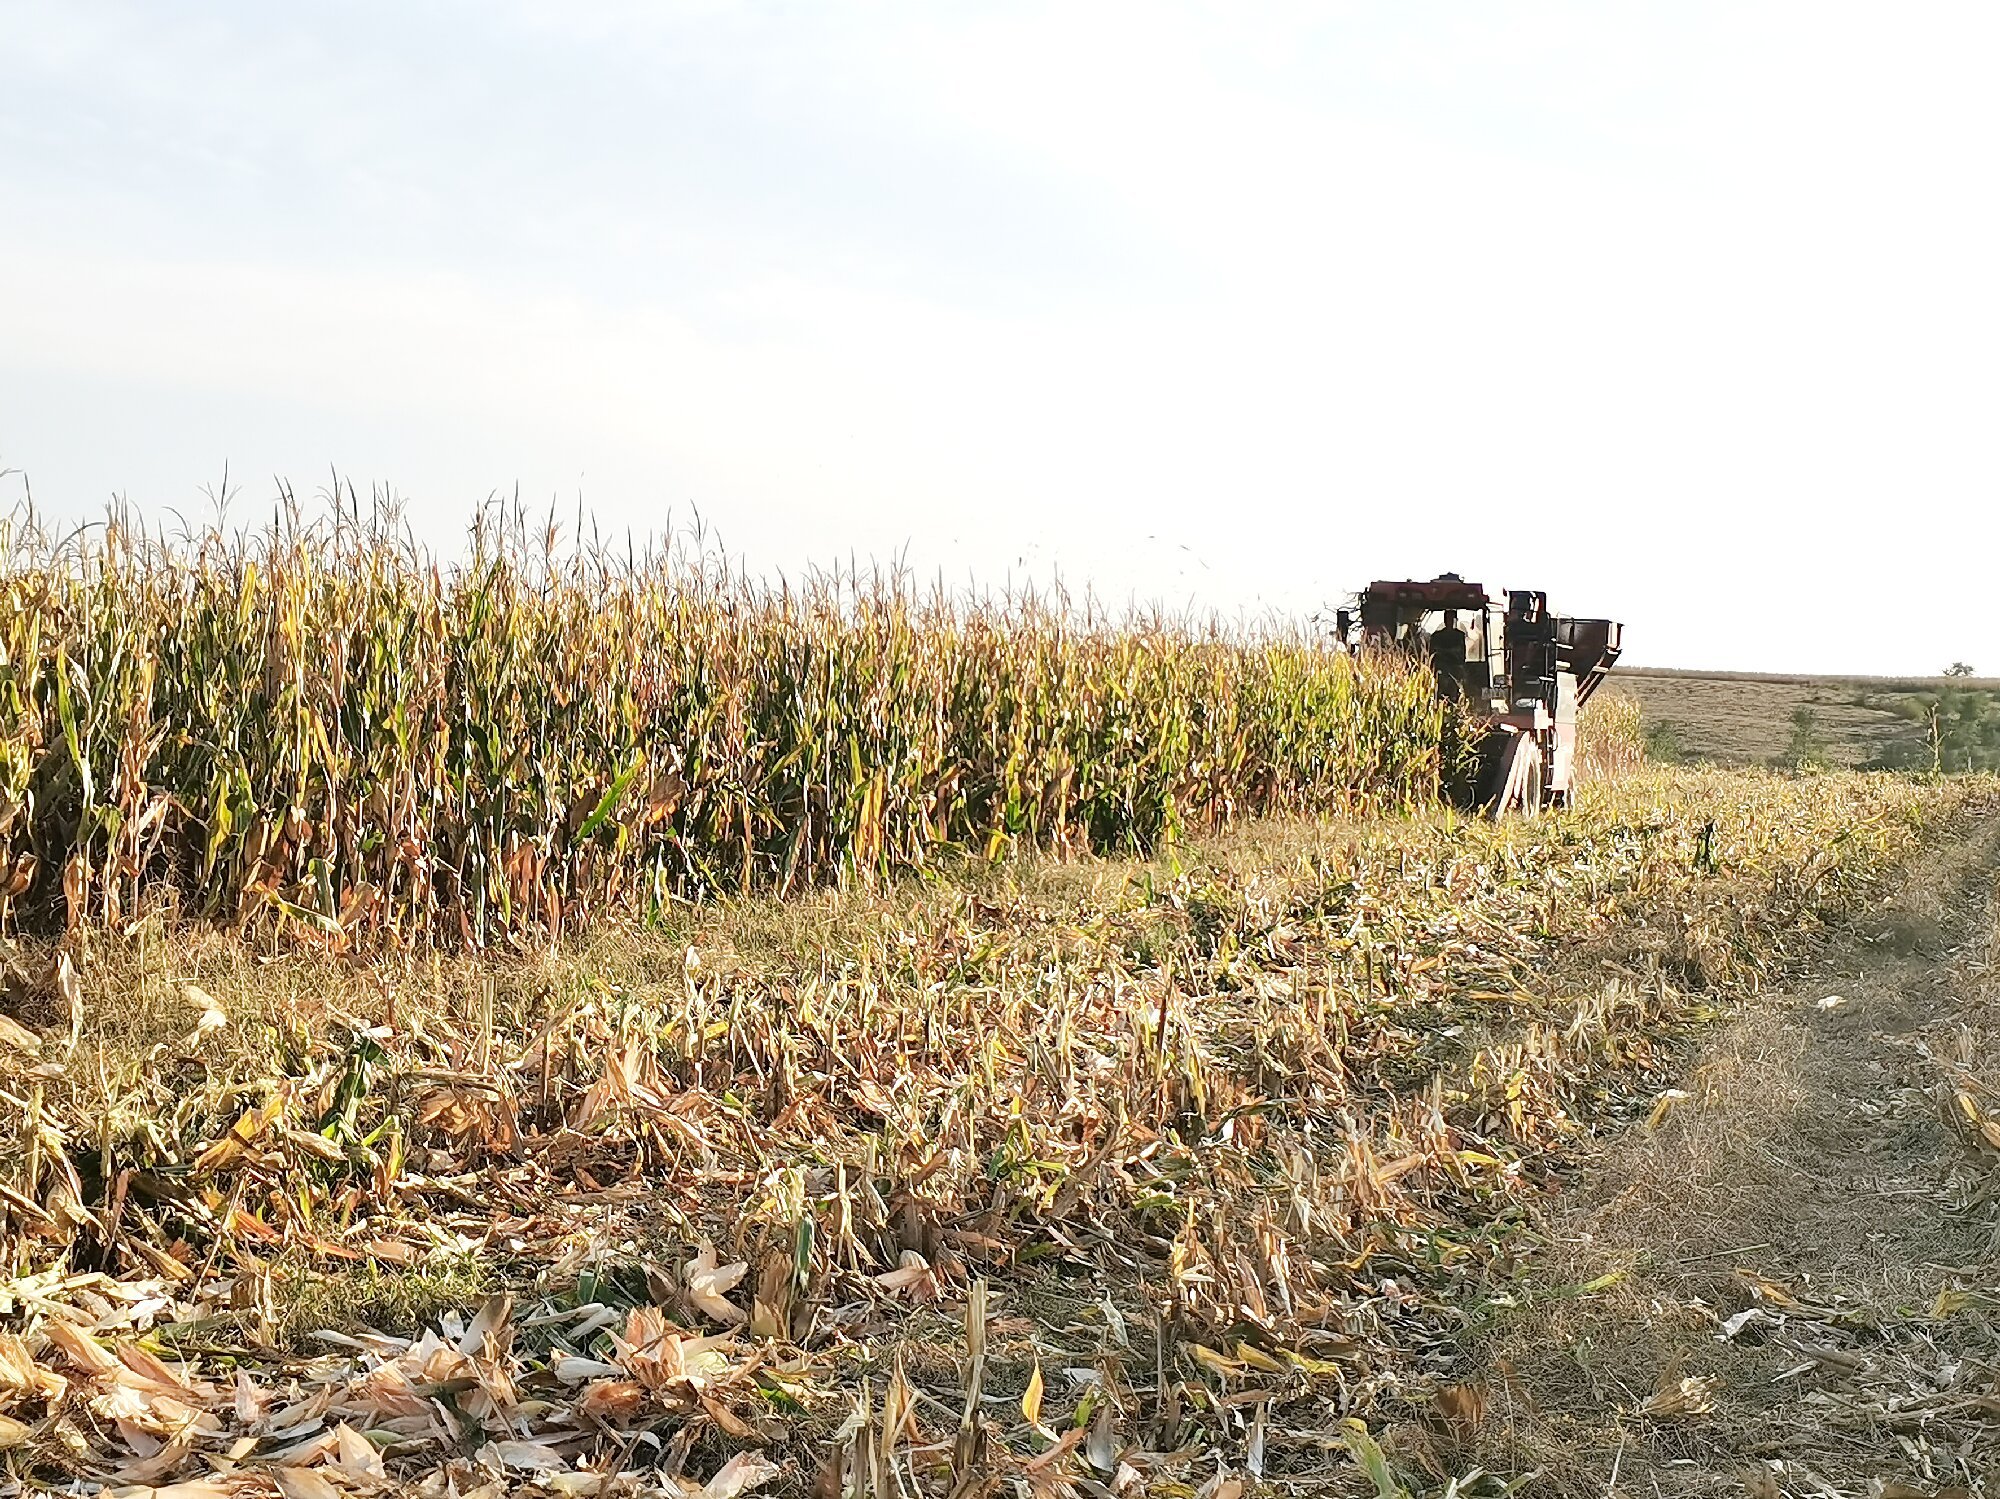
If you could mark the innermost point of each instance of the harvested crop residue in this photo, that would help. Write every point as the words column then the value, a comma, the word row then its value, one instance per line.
column 1178, row 1178
column 1783, row 1283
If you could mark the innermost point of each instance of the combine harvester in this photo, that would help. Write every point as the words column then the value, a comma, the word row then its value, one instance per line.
column 1522, row 670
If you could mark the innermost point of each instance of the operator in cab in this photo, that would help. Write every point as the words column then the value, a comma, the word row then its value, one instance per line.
column 1447, row 647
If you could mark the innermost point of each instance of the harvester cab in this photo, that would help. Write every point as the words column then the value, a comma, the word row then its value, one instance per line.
column 1522, row 670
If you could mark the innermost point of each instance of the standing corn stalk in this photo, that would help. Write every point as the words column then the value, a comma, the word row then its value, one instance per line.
column 327, row 726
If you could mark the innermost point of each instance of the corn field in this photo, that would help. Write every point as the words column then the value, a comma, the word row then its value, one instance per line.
column 325, row 727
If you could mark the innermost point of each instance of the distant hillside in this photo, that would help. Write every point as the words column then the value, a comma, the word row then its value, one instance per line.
column 1745, row 718
column 1807, row 679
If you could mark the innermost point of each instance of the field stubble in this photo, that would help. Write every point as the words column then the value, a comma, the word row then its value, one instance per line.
column 1744, row 718
column 1785, row 1272
column 1092, row 1176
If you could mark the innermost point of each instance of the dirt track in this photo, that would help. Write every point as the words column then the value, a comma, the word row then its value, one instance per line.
column 1802, row 1247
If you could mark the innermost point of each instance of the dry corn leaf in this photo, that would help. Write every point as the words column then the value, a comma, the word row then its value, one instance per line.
column 1769, row 1292
column 613, row 1401
column 742, row 1473
column 301, row 1483
column 1209, row 1359
column 1692, row 1395
column 707, row 1283
column 725, row 1419
column 1664, row 1104
column 354, row 1453
column 574, row 1370
column 18, row 1037
column 210, row 1016
column 525, row 1456
column 248, row 1128
column 1100, row 1448
column 21, row 1373
column 202, row 1488
column 70, row 987
column 1065, row 1445
column 1463, row 1406
column 913, row 1277
column 82, row 1350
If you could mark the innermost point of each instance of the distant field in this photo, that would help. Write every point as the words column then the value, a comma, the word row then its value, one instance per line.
column 1739, row 718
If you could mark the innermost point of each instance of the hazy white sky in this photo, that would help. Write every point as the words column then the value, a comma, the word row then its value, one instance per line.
column 1685, row 312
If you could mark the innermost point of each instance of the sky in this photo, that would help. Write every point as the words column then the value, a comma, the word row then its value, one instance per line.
column 1688, row 312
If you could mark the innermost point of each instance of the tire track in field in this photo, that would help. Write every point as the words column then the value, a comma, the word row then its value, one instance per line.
column 1801, row 1248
